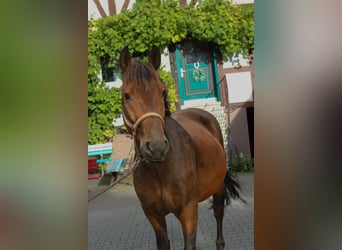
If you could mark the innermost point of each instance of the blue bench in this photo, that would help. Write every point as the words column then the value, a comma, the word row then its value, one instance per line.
column 117, row 165
column 103, row 150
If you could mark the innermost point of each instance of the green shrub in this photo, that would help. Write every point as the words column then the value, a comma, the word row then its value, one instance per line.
column 241, row 164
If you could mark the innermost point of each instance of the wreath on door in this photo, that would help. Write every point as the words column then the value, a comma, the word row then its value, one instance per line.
column 198, row 74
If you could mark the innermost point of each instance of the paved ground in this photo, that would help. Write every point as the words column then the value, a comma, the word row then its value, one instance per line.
column 116, row 221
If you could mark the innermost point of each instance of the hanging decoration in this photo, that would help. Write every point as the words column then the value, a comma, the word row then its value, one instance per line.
column 198, row 74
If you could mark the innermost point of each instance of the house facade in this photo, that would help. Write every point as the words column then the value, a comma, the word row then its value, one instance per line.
column 203, row 80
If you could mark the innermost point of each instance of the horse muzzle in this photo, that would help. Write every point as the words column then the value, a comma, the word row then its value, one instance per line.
column 155, row 150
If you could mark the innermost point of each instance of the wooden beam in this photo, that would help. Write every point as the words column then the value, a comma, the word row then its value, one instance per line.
column 182, row 2
column 100, row 9
column 124, row 6
column 111, row 7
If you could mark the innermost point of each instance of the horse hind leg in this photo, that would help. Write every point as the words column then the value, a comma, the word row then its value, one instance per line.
column 218, row 206
column 223, row 197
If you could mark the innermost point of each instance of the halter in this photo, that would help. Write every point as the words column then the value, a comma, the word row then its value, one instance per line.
column 135, row 126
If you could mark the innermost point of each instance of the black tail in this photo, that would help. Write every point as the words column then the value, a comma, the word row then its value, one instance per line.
column 231, row 188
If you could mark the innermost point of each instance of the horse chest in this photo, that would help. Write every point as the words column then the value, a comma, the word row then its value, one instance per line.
column 160, row 194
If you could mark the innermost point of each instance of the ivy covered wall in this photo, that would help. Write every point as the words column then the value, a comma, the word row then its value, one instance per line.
column 160, row 23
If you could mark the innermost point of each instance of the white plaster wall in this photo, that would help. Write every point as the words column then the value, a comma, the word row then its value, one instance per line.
column 116, row 84
column 92, row 10
column 243, row 1
column 239, row 87
column 165, row 60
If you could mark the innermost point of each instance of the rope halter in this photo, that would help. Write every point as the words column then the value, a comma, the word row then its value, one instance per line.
column 136, row 125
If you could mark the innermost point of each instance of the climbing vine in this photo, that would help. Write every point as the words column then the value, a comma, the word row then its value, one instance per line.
column 229, row 26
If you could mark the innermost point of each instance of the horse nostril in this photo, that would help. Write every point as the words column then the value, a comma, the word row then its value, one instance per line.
column 148, row 146
column 166, row 143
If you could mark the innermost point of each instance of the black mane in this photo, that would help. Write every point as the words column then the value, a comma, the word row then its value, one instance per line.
column 166, row 104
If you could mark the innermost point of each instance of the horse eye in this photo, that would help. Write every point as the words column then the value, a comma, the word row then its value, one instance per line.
column 126, row 96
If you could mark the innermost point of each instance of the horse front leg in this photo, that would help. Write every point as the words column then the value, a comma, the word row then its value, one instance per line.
column 218, row 206
column 158, row 223
column 188, row 219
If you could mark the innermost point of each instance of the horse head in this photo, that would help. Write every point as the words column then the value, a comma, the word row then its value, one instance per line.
column 143, row 104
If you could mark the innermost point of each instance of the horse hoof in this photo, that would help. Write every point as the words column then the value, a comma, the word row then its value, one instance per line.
column 220, row 244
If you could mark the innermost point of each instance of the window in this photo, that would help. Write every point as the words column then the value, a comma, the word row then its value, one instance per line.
column 111, row 73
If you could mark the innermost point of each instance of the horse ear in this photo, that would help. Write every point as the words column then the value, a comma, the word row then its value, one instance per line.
column 125, row 59
column 154, row 57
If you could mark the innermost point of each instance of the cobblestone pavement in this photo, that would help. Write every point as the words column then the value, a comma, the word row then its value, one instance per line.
column 116, row 221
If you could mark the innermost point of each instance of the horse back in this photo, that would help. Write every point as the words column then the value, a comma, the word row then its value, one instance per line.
column 200, row 117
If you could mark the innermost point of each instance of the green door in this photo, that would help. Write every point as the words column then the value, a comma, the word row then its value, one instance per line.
column 197, row 71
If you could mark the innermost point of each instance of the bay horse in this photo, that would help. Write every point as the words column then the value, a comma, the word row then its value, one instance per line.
column 183, row 161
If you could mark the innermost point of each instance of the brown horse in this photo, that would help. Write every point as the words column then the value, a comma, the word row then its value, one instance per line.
column 182, row 155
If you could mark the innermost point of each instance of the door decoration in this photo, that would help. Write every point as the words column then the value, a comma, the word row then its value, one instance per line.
column 198, row 75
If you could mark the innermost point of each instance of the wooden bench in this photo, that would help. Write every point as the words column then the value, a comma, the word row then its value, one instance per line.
column 102, row 150
column 115, row 166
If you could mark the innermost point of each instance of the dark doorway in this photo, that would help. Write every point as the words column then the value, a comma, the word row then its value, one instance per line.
column 250, row 120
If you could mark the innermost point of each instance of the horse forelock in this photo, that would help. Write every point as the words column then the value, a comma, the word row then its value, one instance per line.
column 143, row 74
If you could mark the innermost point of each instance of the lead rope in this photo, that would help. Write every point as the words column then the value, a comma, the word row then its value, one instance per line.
column 133, row 166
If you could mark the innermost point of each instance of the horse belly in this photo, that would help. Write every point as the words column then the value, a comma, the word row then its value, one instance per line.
column 210, row 159
column 211, row 170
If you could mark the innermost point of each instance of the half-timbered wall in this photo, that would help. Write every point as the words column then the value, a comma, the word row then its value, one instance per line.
column 236, row 84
